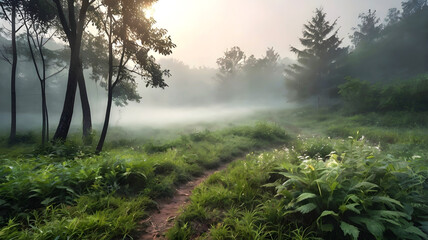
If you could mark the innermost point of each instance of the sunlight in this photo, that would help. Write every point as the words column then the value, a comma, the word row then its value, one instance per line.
column 163, row 9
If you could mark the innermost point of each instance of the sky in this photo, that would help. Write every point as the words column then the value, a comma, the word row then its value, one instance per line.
column 204, row 29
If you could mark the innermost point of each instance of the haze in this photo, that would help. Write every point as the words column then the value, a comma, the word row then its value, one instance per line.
column 203, row 30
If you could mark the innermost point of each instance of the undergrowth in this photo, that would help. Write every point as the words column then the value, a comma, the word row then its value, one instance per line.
column 64, row 192
column 356, row 191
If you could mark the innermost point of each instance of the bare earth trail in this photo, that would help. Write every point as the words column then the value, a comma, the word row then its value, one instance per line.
column 163, row 219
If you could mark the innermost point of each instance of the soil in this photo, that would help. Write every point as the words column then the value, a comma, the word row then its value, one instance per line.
column 162, row 220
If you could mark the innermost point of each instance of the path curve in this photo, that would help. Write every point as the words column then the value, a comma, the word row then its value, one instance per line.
column 163, row 219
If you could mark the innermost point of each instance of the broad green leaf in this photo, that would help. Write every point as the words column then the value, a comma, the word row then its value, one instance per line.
column 47, row 201
column 305, row 196
column 326, row 213
column 307, row 208
column 375, row 227
column 365, row 186
column 390, row 202
column 349, row 229
column 390, row 214
column 417, row 231
column 351, row 207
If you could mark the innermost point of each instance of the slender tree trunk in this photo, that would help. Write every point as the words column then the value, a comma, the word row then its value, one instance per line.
column 44, row 129
column 67, row 110
column 74, row 31
column 12, row 136
column 110, row 89
column 86, row 109
column 106, row 123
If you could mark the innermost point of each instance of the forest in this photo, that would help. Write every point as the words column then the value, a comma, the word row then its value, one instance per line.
column 106, row 133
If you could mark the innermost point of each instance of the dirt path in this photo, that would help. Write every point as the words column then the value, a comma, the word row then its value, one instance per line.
column 162, row 220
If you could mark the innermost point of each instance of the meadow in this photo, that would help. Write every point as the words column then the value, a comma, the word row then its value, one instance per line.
column 302, row 174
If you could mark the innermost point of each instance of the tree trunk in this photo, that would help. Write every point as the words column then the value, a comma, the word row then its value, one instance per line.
column 67, row 110
column 74, row 31
column 12, row 136
column 44, row 115
column 86, row 109
column 106, row 123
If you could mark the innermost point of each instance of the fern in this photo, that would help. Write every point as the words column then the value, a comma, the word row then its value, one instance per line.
column 349, row 229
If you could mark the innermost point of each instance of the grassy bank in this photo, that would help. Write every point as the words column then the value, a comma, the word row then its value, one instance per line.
column 356, row 192
column 64, row 192
column 362, row 176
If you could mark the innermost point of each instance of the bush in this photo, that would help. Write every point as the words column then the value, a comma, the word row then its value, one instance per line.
column 361, row 96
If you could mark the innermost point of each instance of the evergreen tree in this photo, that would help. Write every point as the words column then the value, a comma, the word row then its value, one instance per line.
column 411, row 7
column 319, row 58
column 393, row 16
column 368, row 30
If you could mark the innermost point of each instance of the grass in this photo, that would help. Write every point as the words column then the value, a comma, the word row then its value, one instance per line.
column 344, row 177
column 357, row 191
column 64, row 191
column 338, row 174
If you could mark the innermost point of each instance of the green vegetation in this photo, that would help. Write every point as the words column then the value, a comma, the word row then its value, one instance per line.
column 362, row 96
column 355, row 192
column 68, row 193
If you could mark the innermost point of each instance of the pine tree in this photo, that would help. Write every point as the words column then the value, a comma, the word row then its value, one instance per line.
column 317, row 60
column 368, row 30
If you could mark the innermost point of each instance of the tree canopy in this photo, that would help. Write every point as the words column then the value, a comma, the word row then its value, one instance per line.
column 318, row 58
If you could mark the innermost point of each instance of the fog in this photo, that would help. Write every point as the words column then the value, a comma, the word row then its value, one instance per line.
column 203, row 31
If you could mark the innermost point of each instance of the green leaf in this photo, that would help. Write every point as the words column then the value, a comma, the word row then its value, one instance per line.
column 305, row 196
column 417, row 231
column 391, row 214
column 390, row 202
column 351, row 207
column 349, row 229
column 47, row 201
column 307, row 208
column 375, row 227
column 326, row 213
column 364, row 186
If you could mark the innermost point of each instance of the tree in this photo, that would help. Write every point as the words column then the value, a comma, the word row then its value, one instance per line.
column 231, row 63
column 411, row 7
column 9, row 13
column 72, row 20
column 130, row 36
column 37, row 23
column 317, row 60
column 368, row 30
column 393, row 16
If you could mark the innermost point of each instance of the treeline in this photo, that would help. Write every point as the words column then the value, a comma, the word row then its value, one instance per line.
column 116, row 49
column 387, row 54
column 250, row 79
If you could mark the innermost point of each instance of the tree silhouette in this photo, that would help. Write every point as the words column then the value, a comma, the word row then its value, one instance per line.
column 368, row 30
column 37, row 18
column 317, row 60
column 411, row 7
column 230, row 64
column 9, row 13
column 130, row 36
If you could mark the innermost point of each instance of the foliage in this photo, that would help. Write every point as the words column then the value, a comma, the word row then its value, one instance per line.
column 358, row 192
column 403, row 96
column 368, row 30
column 61, row 191
column 397, row 52
column 319, row 58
